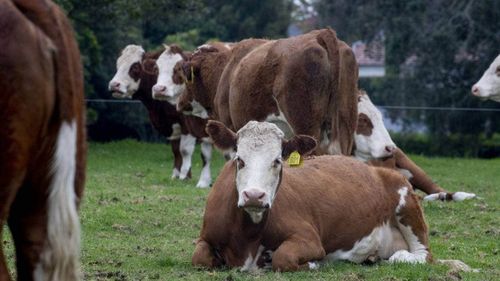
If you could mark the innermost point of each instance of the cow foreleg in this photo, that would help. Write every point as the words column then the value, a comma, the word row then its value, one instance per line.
column 203, row 255
column 411, row 224
column 188, row 143
column 177, row 158
column 298, row 253
column 206, row 154
column 420, row 180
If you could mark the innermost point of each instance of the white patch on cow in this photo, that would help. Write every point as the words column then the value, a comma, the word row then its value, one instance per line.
column 334, row 148
column 127, row 86
column 406, row 173
column 280, row 121
column 59, row 259
column 165, row 88
column 205, row 177
column 259, row 147
column 176, row 132
column 489, row 84
column 175, row 173
column 403, row 192
column 198, row 110
column 250, row 264
column 417, row 252
column 374, row 145
column 313, row 265
column 382, row 242
column 461, row 196
column 187, row 145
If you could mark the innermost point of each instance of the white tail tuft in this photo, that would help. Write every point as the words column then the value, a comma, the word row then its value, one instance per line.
column 60, row 257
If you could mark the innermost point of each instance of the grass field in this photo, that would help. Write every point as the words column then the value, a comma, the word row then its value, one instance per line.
column 138, row 224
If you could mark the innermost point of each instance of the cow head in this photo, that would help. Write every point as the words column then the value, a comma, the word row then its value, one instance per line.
column 260, row 150
column 371, row 138
column 170, row 83
column 488, row 86
column 128, row 72
column 195, row 100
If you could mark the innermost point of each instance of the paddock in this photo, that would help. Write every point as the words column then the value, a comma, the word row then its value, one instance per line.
column 138, row 224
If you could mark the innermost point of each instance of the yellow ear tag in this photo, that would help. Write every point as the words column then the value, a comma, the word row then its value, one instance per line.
column 294, row 160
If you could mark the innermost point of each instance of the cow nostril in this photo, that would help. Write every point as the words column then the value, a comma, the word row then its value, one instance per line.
column 390, row 148
column 475, row 89
column 261, row 195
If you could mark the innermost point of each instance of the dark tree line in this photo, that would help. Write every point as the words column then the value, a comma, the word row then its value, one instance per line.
column 435, row 51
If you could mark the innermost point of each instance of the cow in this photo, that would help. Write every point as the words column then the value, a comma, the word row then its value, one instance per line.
column 488, row 87
column 330, row 208
column 42, row 140
column 135, row 76
column 307, row 83
column 374, row 145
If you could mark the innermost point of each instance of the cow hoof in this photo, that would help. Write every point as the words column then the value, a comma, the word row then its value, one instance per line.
column 203, row 184
column 403, row 256
column 461, row 196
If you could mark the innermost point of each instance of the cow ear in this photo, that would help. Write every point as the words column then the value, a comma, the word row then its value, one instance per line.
column 301, row 143
column 222, row 137
column 175, row 49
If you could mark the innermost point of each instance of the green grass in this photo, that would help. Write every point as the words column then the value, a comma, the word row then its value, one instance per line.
column 138, row 224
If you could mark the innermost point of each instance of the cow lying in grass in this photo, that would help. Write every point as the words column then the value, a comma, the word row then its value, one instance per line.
column 374, row 145
column 331, row 208
column 488, row 86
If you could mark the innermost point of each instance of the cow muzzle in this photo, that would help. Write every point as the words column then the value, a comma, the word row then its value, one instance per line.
column 255, row 200
column 160, row 92
column 117, row 89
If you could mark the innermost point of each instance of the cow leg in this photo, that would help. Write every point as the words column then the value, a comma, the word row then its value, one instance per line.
column 206, row 155
column 420, row 180
column 411, row 224
column 298, row 252
column 188, row 143
column 203, row 255
column 177, row 158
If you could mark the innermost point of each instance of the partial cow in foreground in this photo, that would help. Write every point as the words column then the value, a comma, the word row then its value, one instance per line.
column 488, row 86
column 42, row 140
column 330, row 208
column 374, row 145
column 135, row 76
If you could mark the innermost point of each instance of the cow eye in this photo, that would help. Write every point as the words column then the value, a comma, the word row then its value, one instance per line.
column 239, row 163
column 277, row 162
column 498, row 71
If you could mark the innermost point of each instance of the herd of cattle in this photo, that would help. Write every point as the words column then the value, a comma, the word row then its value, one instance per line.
column 259, row 101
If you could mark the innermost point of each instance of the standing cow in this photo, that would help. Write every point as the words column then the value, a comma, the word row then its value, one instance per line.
column 374, row 145
column 331, row 208
column 308, row 84
column 135, row 76
column 42, row 140
column 489, row 85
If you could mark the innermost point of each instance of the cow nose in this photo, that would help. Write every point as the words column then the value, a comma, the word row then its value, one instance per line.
column 253, row 194
column 475, row 90
column 159, row 88
column 114, row 85
column 390, row 148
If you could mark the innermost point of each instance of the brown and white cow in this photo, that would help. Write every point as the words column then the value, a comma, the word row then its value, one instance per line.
column 374, row 145
column 135, row 76
column 306, row 83
column 331, row 208
column 488, row 87
column 42, row 140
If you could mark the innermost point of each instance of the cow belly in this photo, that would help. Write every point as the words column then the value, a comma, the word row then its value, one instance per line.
column 381, row 243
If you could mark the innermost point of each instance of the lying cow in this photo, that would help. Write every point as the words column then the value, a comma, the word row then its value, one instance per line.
column 331, row 208
column 308, row 83
column 374, row 145
column 42, row 140
column 489, row 85
column 134, row 78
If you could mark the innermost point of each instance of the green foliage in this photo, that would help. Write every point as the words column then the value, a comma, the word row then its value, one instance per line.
column 138, row 224
column 435, row 52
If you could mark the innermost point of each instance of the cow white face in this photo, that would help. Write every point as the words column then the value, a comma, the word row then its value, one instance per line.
column 371, row 137
column 489, row 85
column 128, row 72
column 170, row 84
column 260, row 150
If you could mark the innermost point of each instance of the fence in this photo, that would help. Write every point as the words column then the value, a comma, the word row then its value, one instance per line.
column 426, row 130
